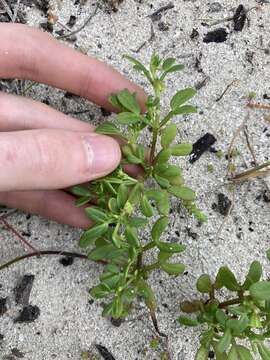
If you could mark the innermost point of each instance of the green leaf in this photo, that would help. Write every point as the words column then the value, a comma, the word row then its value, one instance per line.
column 154, row 63
column 96, row 214
column 147, row 293
column 255, row 321
column 108, row 128
column 221, row 317
column 129, row 101
column 105, row 252
column 264, row 351
column 132, row 159
column 113, row 206
column 164, row 183
column 181, row 149
column 168, row 135
column 89, row 236
column 107, row 310
column 156, row 195
column 132, row 236
column 163, row 256
column 225, row 341
column 117, row 308
column 183, row 320
column 137, row 222
column 204, row 284
column 238, row 326
column 146, row 207
column 186, row 109
column 100, row 291
column 239, row 352
column 114, row 102
column 170, row 247
column 122, row 195
column 127, row 118
column 181, row 97
column 83, row 201
column 190, row 307
column 202, row 354
column 163, row 206
column 254, row 274
column 171, row 171
column 163, row 156
column 116, row 238
column 158, row 228
column 173, row 269
column 226, row 278
column 172, row 69
column 80, row 190
column 110, row 280
column 168, row 63
column 182, row 192
column 260, row 290
column 134, row 196
column 138, row 65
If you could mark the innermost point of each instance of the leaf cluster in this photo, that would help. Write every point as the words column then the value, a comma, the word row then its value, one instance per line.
column 244, row 317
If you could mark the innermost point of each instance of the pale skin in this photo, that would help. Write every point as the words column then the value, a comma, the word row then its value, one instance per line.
column 42, row 150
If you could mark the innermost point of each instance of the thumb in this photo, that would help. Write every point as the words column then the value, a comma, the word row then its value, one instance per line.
column 54, row 159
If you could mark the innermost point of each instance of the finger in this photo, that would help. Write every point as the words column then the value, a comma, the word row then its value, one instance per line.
column 54, row 159
column 54, row 205
column 19, row 113
column 27, row 53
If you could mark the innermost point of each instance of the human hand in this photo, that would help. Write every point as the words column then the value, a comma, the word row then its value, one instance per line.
column 41, row 149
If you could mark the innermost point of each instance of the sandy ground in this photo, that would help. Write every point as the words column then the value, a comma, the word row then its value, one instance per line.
column 68, row 322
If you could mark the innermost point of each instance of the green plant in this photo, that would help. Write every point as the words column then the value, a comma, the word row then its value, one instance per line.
column 243, row 317
column 125, row 205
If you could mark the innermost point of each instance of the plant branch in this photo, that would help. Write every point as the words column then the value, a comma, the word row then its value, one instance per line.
column 22, row 239
column 149, row 246
column 42, row 253
column 225, row 304
column 153, row 145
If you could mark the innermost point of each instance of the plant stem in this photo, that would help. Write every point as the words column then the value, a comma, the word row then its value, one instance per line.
column 149, row 246
column 44, row 252
column 153, row 145
column 225, row 304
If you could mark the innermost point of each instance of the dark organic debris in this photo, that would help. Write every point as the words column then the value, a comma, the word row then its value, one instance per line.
column 104, row 352
column 3, row 306
column 195, row 34
column 239, row 18
column 218, row 36
column 17, row 353
column 162, row 26
column 23, row 290
column 67, row 261
column 112, row 5
column 202, row 145
column 223, row 206
column 105, row 112
column 116, row 322
column 266, row 196
column 72, row 21
column 28, row 314
column 156, row 15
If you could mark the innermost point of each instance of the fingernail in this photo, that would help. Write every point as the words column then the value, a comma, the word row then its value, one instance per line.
column 103, row 154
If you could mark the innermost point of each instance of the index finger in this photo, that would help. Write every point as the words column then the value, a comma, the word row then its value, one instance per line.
column 27, row 53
